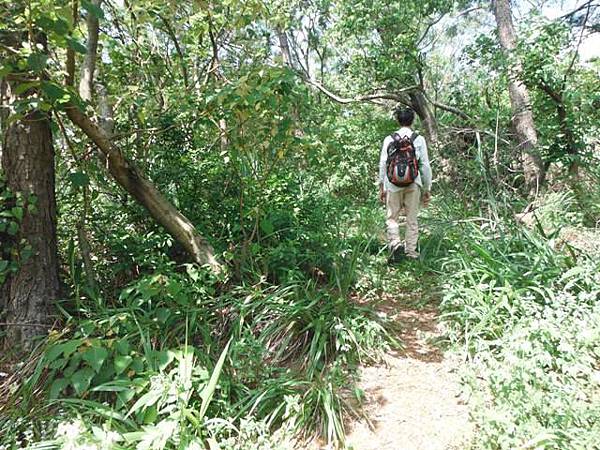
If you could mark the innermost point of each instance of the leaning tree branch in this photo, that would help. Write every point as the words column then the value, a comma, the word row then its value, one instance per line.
column 389, row 96
column 452, row 109
column 556, row 96
column 135, row 183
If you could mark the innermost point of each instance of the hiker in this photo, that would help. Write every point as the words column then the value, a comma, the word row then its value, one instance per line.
column 404, row 181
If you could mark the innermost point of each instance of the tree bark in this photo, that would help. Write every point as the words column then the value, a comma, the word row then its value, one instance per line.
column 28, row 162
column 284, row 46
column 86, row 85
column 519, row 98
column 420, row 105
column 134, row 182
column 86, row 92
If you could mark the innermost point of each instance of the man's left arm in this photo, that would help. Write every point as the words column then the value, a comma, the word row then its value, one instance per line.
column 425, row 171
column 382, row 170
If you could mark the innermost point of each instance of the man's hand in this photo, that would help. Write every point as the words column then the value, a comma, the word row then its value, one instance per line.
column 381, row 194
column 426, row 198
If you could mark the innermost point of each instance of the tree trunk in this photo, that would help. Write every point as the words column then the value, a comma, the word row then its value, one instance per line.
column 420, row 105
column 28, row 162
column 284, row 47
column 134, row 182
column 86, row 85
column 519, row 99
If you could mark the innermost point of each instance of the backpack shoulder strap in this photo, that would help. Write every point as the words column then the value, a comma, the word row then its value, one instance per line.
column 414, row 136
column 395, row 139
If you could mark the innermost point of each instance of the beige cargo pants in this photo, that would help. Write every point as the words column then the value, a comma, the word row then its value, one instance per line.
column 409, row 198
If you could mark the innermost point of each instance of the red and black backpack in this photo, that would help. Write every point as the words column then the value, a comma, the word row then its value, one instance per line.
column 402, row 165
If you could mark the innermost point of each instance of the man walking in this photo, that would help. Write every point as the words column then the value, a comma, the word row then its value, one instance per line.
column 404, row 177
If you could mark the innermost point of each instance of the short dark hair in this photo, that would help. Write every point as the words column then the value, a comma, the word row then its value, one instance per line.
column 405, row 117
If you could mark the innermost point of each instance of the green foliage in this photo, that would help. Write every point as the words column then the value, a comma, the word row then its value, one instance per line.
column 164, row 355
column 525, row 315
column 13, row 208
column 293, row 345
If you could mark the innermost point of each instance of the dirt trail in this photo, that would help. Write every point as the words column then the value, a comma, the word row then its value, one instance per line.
column 413, row 401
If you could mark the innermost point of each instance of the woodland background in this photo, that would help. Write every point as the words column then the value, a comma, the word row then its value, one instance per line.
column 191, row 239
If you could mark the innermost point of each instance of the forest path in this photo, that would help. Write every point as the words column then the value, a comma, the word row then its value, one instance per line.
column 413, row 400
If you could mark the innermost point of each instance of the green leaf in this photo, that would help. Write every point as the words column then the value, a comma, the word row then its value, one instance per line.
column 162, row 314
column 53, row 353
column 162, row 359
column 123, row 346
column 266, row 226
column 95, row 357
column 70, row 346
column 76, row 45
column 150, row 415
column 24, row 87
column 81, row 380
column 57, row 387
column 73, row 365
column 53, row 91
column 58, row 364
column 124, row 397
column 94, row 10
column 37, row 61
column 3, row 265
column 79, row 179
column 209, row 389
column 121, row 363
column 148, row 399
column 65, row 349
column 17, row 213
column 13, row 228
column 5, row 70
column 138, row 365
column 58, row 26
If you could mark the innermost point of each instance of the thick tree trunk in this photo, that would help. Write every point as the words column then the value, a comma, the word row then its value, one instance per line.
column 134, row 182
column 519, row 98
column 28, row 163
column 421, row 106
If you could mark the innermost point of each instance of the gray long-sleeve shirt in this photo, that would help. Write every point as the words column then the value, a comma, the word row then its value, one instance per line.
column 424, row 177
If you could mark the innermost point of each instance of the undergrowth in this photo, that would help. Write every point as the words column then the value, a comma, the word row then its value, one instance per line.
column 523, row 306
column 182, row 359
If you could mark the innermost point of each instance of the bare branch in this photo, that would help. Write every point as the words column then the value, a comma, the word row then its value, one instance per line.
column 173, row 36
column 452, row 109
column 362, row 98
column 70, row 65
column 587, row 15
column 588, row 4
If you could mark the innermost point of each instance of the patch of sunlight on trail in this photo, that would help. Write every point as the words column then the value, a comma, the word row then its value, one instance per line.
column 414, row 400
